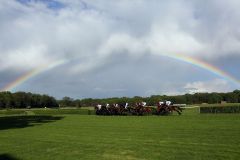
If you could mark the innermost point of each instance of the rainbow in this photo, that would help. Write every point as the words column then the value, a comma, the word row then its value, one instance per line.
column 196, row 62
column 204, row 65
column 32, row 73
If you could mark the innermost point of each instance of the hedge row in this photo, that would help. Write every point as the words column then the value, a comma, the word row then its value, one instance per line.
column 220, row 109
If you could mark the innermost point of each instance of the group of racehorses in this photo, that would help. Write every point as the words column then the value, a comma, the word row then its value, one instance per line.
column 140, row 108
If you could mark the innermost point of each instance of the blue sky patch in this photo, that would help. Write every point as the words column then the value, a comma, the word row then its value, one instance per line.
column 52, row 4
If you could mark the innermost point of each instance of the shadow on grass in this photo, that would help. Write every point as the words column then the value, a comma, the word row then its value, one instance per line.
column 7, row 157
column 10, row 122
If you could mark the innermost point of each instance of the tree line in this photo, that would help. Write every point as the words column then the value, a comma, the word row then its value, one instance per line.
column 197, row 98
column 31, row 100
column 26, row 100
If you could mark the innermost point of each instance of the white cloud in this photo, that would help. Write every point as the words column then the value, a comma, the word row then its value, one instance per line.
column 122, row 43
column 91, row 34
column 93, row 28
column 173, row 41
column 216, row 85
column 26, row 57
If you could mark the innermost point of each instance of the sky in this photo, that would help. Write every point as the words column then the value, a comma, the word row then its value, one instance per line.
column 99, row 49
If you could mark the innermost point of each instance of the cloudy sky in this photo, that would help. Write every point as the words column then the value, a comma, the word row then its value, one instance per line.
column 119, row 48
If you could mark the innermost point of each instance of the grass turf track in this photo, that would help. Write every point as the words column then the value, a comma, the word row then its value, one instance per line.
column 72, row 137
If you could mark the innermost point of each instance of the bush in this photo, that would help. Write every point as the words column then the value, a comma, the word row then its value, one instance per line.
column 220, row 109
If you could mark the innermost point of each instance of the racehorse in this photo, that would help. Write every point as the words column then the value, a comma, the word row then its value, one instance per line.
column 164, row 108
column 176, row 108
column 139, row 108
column 113, row 109
column 98, row 108
column 147, row 110
column 101, row 110
column 122, row 109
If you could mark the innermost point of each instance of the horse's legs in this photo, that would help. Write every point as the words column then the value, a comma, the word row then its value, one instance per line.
column 178, row 110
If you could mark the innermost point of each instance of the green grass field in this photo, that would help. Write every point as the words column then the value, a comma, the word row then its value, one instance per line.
column 40, row 111
column 73, row 137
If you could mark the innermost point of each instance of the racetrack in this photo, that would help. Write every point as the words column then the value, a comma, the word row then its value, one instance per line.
column 72, row 137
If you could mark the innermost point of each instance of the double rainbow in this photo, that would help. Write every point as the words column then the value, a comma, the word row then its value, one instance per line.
column 196, row 62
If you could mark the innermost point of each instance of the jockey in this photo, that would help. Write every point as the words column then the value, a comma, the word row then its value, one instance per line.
column 99, row 106
column 126, row 105
column 160, row 103
column 107, row 105
column 168, row 103
column 144, row 104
